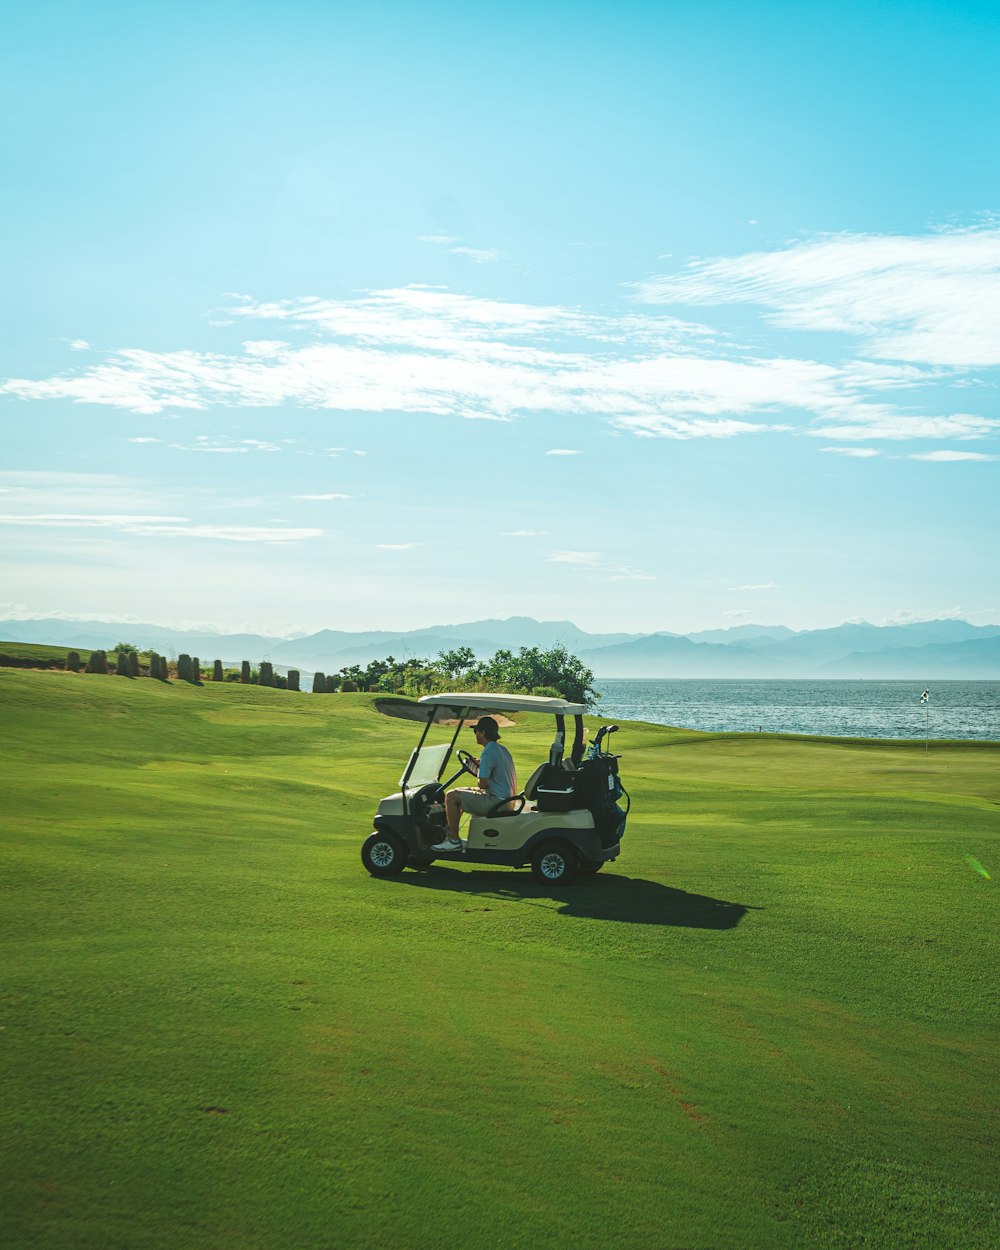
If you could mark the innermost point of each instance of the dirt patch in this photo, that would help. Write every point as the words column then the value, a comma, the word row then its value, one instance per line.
column 413, row 711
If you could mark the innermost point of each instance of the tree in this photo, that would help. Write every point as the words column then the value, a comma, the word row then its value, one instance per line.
column 185, row 669
column 123, row 666
column 73, row 662
column 532, row 667
column 266, row 677
column 98, row 662
column 196, row 670
column 245, row 672
column 293, row 679
column 455, row 663
column 217, row 674
column 126, row 646
column 319, row 683
column 133, row 664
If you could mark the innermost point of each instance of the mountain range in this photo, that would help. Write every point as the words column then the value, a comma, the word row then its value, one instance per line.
column 921, row 650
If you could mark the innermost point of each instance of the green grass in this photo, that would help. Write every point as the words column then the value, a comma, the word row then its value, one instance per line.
column 773, row 1023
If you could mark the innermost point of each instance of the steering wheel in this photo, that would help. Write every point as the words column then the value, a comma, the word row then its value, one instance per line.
column 467, row 761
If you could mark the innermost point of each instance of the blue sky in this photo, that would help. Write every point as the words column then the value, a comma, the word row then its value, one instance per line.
column 647, row 316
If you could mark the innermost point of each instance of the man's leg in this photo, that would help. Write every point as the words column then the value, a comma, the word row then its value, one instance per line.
column 453, row 811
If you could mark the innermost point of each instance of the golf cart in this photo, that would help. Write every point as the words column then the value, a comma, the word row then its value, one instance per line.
column 566, row 820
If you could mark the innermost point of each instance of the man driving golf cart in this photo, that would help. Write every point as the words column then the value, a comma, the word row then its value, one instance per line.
column 566, row 821
column 497, row 781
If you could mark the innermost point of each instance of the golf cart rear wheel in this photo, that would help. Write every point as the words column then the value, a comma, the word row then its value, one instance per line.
column 555, row 864
column 384, row 855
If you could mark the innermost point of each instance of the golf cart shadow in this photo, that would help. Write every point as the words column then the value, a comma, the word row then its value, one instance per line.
column 610, row 896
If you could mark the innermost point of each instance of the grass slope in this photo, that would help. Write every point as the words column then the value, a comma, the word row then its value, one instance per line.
column 771, row 1024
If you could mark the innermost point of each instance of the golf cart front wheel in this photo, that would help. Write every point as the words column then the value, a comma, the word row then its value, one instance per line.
column 383, row 854
column 554, row 865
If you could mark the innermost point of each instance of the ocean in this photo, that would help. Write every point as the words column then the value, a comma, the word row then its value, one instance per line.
column 841, row 709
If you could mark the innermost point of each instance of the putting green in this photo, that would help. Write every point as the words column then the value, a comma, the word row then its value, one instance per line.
column 772, row 1023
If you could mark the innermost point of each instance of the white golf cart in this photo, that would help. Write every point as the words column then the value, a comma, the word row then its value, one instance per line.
column 567, row 820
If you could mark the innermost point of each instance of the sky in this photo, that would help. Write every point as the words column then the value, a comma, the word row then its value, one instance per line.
column 647, row 316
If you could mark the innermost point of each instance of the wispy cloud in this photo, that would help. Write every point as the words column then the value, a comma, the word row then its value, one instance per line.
column 396, row 546
column 432, row 351
column 859, row 453
column 597, row 565
column 479, row 255
column 562, row 451
column 589, row 558
column 757, row 586
column 160, row 526
column 933, row 299
column 950, row 456
column 323, row 497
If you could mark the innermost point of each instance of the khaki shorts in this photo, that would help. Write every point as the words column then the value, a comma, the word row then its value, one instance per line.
column 478, row 802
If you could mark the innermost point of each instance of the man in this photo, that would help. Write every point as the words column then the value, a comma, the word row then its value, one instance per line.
column 497, row 782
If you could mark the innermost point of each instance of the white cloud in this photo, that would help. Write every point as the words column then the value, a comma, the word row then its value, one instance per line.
column 159, row 526
column 575, row 557
column 525, row 533
column 948, row 456
column 396, row 546
column 86, row 520
column 480, row 255
column 145, row 440
column 79, row 345
column 757, row 586
column 562, row 451
column 860, row 453
column 430, row 351
column 933, row 299
column 323, row 497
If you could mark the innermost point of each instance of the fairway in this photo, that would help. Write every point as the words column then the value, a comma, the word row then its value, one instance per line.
column 771, row 1023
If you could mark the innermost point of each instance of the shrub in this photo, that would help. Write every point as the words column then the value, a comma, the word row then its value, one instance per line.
column 185, row 670
column 293, row 679
column 245, row 672
column 347, row 686
column 332, row 684
column 133, row 664
column 217, row 674
column 73, row 662
column 98, row 662
column 266, row 677
column 319, row 683
column 123, row 665
column 196, row 670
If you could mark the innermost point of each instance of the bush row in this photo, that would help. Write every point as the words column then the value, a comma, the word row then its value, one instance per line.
column 529, row 671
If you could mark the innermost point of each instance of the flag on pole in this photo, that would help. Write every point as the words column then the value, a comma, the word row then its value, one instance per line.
column 925, row 697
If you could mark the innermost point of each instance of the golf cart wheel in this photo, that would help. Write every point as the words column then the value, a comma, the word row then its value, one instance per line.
column 384, row 855
column 588, row 866
column 555, row 864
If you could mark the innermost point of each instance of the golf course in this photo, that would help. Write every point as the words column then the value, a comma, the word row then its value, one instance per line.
column 772, row 1022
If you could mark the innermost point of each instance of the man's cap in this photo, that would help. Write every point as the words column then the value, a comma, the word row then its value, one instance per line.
column 488, row 725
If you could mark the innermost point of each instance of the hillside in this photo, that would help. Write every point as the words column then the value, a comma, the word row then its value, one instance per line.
column 767, row 1024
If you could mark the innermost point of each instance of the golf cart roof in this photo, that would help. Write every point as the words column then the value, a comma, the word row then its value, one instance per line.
column 481, row 701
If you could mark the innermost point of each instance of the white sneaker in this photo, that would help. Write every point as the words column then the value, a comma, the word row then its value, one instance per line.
column 449, row 844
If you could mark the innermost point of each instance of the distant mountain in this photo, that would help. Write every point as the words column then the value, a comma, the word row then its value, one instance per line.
column 923, row 650
column 747, row 635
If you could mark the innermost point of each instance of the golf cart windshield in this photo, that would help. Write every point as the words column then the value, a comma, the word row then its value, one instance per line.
column 425, row 765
